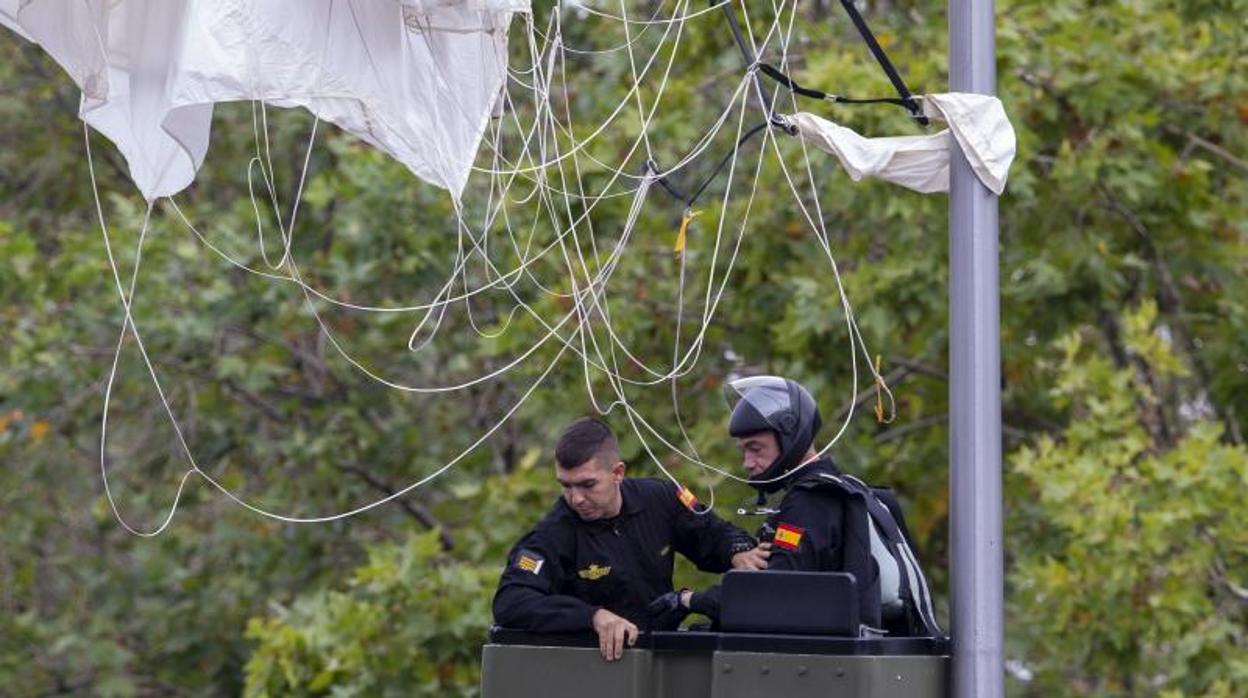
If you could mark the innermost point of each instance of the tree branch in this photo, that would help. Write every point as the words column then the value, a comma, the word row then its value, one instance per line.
column 1210, row 147
column 413, row 509
column 906, row 429
column 1170, row 301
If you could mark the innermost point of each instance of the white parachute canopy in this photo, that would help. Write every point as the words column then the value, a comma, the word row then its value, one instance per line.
column 977, row 124
column 417, row 79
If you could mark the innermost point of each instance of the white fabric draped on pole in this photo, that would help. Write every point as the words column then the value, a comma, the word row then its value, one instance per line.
column 977, row 124
column 417, row 79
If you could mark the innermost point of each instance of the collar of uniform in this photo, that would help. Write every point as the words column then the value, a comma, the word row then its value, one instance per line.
column 633, row 501
column 823, row 464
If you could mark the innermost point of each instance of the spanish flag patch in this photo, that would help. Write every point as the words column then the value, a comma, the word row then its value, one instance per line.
column 788, row 537
column 529, row 562
column 686, row 497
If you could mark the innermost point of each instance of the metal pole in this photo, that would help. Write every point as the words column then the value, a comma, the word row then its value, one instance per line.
column 976, row 559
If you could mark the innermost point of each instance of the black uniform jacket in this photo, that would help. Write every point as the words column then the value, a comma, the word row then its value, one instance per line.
column 565, row 569
column 821, row 527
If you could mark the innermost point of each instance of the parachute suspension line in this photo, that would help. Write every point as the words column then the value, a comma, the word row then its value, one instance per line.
column 321, row 295
column 586, row 357
column 601, row 127
column 632, row 65
column 623, row 400
column 716, row 4
column 705, row 142
column 541, row 148
column 460, row 273
column 602, row 278
column 825, row 241
column 127, row 324
column 264, row 160
column 818, row 227
column 636, row 420
column 856, row 340
column 603, row 310
column 855, row 336
column 491, row 273
column 682, row 251
column 439, row 305
column 542, row 103
column 261, row 133
column 194, row 469
column 580, row 147
column 682, row 255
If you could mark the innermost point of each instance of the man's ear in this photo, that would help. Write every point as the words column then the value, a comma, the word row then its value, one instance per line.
column 617, row 471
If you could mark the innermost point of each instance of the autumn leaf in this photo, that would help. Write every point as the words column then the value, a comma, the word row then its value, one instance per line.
column 39, row 429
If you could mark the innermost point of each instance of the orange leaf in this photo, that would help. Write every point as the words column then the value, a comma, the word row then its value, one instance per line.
column 39, row 430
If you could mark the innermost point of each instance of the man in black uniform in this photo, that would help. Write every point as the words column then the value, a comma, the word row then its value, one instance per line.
column 827, row 521
column 602, row 557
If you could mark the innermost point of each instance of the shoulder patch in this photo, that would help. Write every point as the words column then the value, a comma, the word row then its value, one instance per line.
column 788, row 536
column 594, row 572
column 529, row 561
column 686, row 497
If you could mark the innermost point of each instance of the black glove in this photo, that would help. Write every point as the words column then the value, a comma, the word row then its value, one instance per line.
column 666, row 612
column 706, row 603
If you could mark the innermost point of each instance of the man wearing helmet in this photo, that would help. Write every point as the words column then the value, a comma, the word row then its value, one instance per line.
column 826, row 521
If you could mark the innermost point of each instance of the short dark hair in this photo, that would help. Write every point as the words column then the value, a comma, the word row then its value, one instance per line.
column 584, row 439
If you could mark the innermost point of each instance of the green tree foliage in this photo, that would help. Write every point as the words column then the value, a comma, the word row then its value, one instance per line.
column 1124, row 430
column 409, row 620
column 1129, row 560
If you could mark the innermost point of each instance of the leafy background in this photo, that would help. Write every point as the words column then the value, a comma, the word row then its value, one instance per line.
column 1124, row 254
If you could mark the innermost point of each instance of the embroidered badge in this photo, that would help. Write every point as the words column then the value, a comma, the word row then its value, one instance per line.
column 594, row 572
column 788, row 537
column 530, row 562
column 686, row 497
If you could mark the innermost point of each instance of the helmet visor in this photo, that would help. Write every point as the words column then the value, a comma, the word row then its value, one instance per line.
column 767, row 395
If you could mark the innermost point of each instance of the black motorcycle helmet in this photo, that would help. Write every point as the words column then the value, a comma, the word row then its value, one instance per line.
column 778, row 405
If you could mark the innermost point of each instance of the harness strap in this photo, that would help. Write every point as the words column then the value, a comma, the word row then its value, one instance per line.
column 914, row 588
column 797, row 88
column 882, row 58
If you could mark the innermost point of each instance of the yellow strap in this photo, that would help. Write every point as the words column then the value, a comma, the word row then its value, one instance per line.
column 690, row 214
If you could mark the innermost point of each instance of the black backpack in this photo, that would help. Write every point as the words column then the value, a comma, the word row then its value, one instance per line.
column 906, row 601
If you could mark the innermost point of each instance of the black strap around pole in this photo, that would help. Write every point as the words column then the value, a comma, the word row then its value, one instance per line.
column 885, row 63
